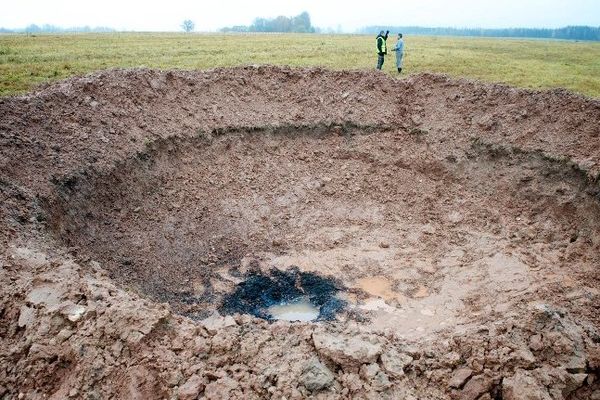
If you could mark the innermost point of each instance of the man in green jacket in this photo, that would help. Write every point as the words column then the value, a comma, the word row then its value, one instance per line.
column 381, row 48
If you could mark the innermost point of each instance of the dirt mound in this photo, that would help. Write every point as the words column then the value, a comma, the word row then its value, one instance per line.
column 448, row 231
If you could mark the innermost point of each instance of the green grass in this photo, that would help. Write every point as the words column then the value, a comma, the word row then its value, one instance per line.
column 28, row 60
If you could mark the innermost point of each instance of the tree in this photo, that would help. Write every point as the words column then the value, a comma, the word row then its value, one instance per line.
column 187, row 25
column 299, row 23
column 33, row 28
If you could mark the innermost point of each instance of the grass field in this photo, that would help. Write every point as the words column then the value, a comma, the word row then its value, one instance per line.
column 28, row 60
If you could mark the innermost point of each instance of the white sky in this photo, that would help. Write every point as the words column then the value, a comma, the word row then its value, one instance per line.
column 211, row 15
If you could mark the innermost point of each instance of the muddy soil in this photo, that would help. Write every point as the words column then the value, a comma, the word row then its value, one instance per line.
column 448, row 230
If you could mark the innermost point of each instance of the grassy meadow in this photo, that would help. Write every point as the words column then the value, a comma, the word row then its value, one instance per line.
column 29, row 60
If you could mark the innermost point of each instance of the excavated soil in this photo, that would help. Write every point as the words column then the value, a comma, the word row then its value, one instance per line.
column 448, row 232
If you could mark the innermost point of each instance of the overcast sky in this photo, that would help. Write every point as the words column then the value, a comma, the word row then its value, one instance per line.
column 167, row 15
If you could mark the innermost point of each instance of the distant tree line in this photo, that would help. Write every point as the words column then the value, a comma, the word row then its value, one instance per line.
column 300, row 24
column 33, row 28
column 569, row 32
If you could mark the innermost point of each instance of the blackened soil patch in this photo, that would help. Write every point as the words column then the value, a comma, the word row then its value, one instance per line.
column 259, row 292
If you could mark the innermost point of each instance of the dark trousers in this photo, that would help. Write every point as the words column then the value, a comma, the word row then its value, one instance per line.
column 380, row 60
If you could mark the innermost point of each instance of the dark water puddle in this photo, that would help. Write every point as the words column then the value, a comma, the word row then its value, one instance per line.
column 289, row 295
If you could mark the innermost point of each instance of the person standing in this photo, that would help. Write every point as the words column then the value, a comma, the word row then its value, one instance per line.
column 381, row 48
column 399, row 49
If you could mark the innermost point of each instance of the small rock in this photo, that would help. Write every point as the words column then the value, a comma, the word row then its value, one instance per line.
column 73, row 392
column 221, row 388
column 177, row 344
column 316, row 376
column 535, row 342
column 486, row 122
column 201, row 345
column 384, row 245
column 368, row 371
column 476, row 387
column 63, row 335
column 48, row 295
column 174, row 378
column 378, row 379
column 346, row 351
column 428, row 229
column 196, row 368
column 216, row 322
column 96, row 267
column 134, row 336
column 524, row 357
column 381, row 382
column 117, row 347
column 191, row 388
column 459, row 377
column 523, row 386
column 395, row 363
column 573, row 382
column 577, row 364
column 92, row 395
column 26, row 316
column 73, row 312
column 452, row 359
column 30, row 257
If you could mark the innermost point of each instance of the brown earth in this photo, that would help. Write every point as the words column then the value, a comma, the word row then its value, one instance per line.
column 462, row 219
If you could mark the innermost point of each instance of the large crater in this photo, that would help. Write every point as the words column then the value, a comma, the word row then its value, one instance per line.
column 421, row 242
column 437, row 238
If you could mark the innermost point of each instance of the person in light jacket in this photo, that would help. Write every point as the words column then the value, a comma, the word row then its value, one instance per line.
column 399, row 49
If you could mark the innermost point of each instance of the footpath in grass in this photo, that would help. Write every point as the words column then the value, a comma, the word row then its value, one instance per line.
column 26, row 61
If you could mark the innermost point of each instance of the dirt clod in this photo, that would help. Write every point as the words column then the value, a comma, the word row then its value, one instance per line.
column 316, row 376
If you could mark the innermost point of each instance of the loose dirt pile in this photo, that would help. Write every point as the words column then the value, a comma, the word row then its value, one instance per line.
column 447, row 230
